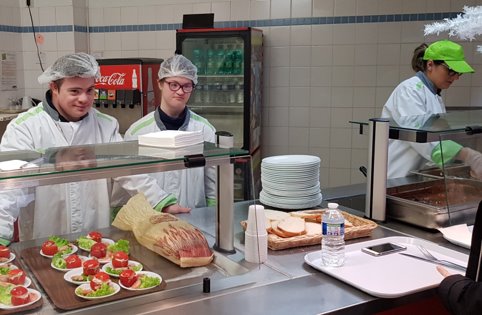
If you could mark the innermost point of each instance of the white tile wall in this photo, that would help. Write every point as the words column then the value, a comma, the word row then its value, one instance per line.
column 260, row 9
column 301, row 8
column 316, row 79
column 280, row 9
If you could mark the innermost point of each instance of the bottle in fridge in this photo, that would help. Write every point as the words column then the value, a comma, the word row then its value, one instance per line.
column 230, row 71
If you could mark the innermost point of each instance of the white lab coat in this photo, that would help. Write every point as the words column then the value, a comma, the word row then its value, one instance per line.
column 191, row 186
column 411, row 97
column 62, row 208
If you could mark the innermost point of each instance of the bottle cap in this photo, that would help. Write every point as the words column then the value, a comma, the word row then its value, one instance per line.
column 332, row 205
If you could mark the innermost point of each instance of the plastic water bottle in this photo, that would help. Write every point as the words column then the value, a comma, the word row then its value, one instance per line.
column 333, row 241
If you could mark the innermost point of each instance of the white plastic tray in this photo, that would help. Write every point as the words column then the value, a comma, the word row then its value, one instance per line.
column 393, row 275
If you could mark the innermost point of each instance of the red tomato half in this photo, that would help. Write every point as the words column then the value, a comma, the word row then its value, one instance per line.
column 4, row 252
column 19, row 295
column 128, row 277
column 91, row 267
column 16, row 276
column 99, row 278
column 98, row 250
column 73, row 261
column 96, row 236
column 49, row 248
column 120, row 260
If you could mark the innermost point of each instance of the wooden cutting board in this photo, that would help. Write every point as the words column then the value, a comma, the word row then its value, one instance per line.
column 18, row 262
column 61, row 292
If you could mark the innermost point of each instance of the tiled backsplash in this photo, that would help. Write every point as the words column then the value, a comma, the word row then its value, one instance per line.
column 326, row 61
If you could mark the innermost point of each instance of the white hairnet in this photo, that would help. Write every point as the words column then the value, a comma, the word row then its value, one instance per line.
column 73, row 65
column 178, row 66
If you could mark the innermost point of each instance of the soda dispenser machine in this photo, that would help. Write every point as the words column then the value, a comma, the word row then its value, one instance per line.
column 127, row 89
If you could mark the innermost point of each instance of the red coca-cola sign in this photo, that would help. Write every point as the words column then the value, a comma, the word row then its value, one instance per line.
column 118, row 77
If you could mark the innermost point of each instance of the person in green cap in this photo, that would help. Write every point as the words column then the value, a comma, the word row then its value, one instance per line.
column 437, row 66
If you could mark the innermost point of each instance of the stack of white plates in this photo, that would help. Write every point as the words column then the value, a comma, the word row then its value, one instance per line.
column 291, row 181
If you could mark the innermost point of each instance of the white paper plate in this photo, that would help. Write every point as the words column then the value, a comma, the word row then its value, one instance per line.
column 140, row 273
column 130, row 263
column 74, row 272
column 11, row 307
column 86, row 286
column 82, row 258
column 12, row 257
column 106, row 241
column 74, row 250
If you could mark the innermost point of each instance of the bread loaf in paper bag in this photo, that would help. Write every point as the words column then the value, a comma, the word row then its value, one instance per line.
column 163, row 233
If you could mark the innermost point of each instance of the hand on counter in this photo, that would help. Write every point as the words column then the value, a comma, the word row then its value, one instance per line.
column 444, row 272
column 472, row 158
column 175, row 208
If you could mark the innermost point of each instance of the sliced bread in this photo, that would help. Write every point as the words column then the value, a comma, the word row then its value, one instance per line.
column 292, row 226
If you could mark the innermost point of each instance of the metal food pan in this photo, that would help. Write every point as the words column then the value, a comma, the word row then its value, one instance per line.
column 425, row 203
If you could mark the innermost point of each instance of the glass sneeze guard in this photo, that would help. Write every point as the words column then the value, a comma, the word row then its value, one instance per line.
column 87, row 162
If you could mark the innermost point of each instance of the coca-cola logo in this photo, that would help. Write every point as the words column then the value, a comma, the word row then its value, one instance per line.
column 115, row 78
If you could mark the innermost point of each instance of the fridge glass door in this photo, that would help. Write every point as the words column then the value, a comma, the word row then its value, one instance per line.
column 219, row 94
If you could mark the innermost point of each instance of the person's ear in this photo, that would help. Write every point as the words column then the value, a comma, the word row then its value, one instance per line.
column 53, row 86
column 430, row 65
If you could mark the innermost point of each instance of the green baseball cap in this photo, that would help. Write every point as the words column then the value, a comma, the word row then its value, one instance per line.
column 450, row 52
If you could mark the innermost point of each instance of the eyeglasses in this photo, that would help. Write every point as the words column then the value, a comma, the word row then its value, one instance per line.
column 451, row 72
column 175, row 86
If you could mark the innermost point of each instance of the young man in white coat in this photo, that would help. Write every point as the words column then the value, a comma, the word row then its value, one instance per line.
column 189, row 188
column 439, row 65
column 65, row 118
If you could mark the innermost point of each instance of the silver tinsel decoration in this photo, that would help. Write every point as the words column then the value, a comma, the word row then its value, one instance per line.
column 465, row 26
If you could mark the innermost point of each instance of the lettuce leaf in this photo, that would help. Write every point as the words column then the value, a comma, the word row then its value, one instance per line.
column 58, row 261
column 85, row 242
column 5, row 297
column 120, row 245
column 148, row 282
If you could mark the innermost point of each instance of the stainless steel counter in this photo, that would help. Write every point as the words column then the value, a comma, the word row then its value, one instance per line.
column 283, row 285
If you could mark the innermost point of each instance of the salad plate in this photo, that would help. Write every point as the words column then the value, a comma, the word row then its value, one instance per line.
column 111, row 271
column 141, row 274
column 106, row 241
column 103, row 260
column 27, row 282
column 86, row 286
column 82, row 258
column 4, row 269
column 74, row 249
column 32, row 292
column 11, row 258
column 74, row 272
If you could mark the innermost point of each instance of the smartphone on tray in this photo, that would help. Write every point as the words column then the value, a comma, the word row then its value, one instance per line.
column 383, row 249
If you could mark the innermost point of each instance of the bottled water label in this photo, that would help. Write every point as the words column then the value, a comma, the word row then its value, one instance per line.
column 330, row 229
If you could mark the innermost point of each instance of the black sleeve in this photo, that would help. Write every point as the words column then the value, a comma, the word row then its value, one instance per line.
column 461, row 295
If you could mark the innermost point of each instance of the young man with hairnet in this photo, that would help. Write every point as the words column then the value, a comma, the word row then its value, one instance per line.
column 65, row 118
column 189, row 188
